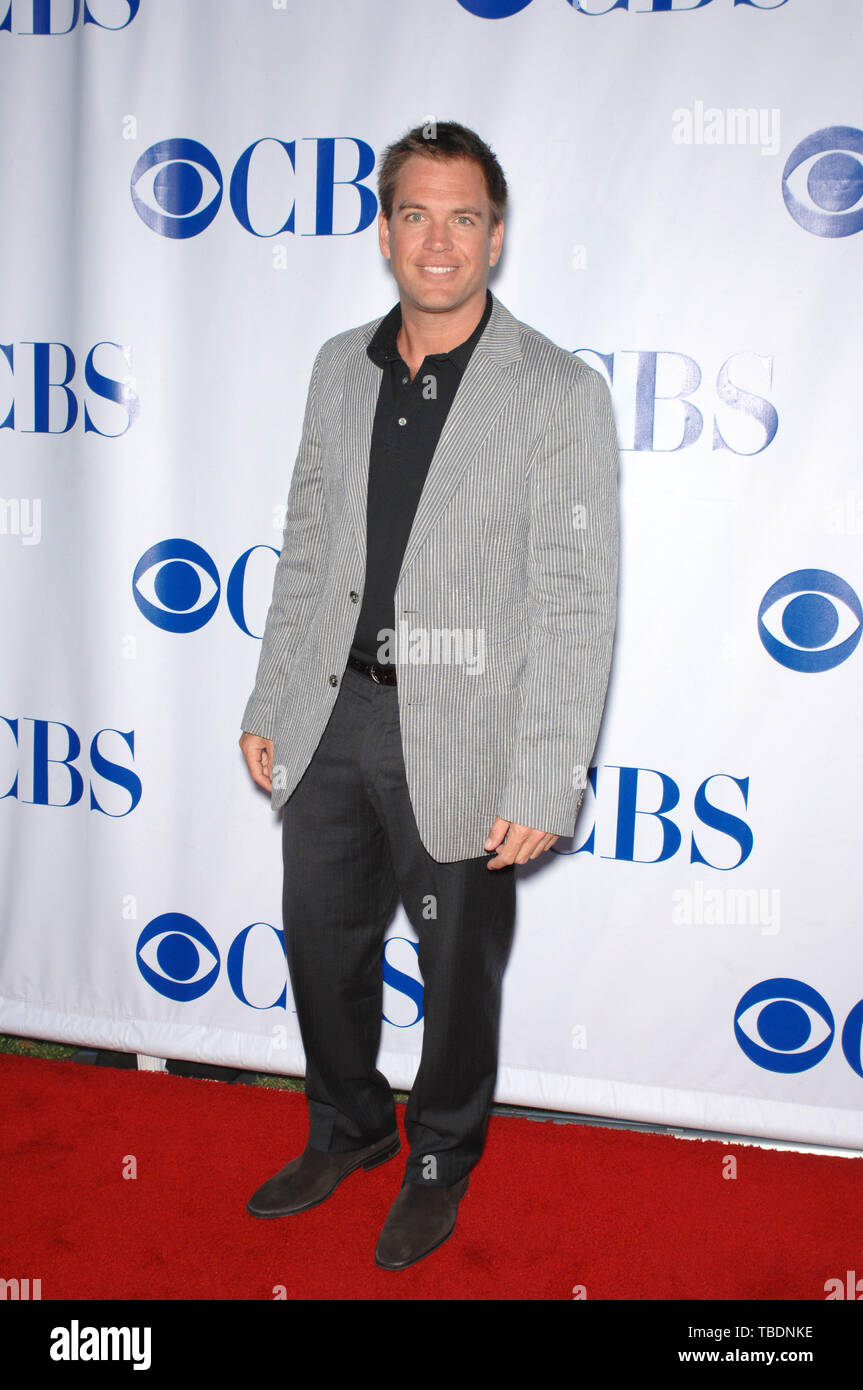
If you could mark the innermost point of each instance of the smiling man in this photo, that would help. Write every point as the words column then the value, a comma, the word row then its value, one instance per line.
column 454, row 496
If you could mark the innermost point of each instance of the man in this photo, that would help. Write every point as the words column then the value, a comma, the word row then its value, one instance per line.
column 432, row 676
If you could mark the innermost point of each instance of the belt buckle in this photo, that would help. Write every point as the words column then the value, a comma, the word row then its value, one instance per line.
column 373, row 670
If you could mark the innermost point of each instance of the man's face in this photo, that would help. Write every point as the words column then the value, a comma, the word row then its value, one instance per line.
column 439, row 239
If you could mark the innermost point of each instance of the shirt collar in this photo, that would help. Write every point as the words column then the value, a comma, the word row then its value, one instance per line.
column 382, row 348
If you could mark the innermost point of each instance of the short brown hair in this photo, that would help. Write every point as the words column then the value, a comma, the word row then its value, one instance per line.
column 442, row 140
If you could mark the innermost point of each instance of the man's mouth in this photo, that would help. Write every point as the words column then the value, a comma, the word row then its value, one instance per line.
column 439, row 269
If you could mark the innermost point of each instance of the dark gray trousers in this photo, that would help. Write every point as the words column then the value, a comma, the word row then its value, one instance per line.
column 351, row 848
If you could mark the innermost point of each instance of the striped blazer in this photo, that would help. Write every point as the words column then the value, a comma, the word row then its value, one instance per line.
column 505, row 603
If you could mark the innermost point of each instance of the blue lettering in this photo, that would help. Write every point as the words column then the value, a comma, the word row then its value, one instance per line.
column 42, row 18
column 13, row 725
column 8, row 352
column 326, row 182
column 405, row 984
column 133, row 10
column 42, row 386
column 755, row 406
column 235, row 592
column 115, row 773
column 627, row 810
column 239, row 190
column 110, row 390
column 646, row 398
column 730, row 825
column 236, row 957
column 41, row 762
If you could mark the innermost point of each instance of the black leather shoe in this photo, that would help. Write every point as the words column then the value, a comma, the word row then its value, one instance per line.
column 420, row 1219
column 309, row 1179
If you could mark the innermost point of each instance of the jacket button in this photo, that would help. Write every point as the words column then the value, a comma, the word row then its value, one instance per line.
column 354, row 596
column 334, row 680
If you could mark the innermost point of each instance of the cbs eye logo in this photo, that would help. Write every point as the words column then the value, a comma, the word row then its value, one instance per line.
column 819, row 616
column 786, row 1026
column 177, row 186
column 170, row 585
column 178, row 957
column 826, row 198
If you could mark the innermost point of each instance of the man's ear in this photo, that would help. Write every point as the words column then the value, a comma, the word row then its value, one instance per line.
column 496, row 244
column 384, row 234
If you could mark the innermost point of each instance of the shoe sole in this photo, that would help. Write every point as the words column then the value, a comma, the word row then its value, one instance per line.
column 373, row 1161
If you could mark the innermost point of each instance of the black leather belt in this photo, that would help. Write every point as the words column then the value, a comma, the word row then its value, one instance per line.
column 381, row 675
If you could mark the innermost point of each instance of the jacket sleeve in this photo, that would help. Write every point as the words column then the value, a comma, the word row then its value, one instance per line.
column 572, row 605
column 299, row 574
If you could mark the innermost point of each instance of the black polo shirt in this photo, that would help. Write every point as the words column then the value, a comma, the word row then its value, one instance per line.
column 409, row 418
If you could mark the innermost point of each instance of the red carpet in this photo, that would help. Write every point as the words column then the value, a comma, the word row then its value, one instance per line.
column 551, row 1206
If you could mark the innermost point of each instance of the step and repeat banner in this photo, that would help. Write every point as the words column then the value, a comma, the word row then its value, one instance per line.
column 189, row 205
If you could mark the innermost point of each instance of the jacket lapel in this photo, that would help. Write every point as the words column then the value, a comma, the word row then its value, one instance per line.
column 362, row 383
column 483, row 393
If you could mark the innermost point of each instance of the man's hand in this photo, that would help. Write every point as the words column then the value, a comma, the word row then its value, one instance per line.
column 258, row 753
column 522, row 843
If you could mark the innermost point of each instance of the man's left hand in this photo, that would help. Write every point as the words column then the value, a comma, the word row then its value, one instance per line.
column 522, row 843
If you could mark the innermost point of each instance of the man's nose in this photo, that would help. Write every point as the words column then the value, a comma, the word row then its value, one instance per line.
column 438, row 234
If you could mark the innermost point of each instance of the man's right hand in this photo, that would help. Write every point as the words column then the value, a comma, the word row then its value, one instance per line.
column 258, row 753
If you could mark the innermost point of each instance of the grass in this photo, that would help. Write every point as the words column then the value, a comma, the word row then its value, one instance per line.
column 33, row 1047
column 36, row 1047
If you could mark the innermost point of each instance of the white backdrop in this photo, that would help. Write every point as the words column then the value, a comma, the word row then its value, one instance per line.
column 155, row 352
